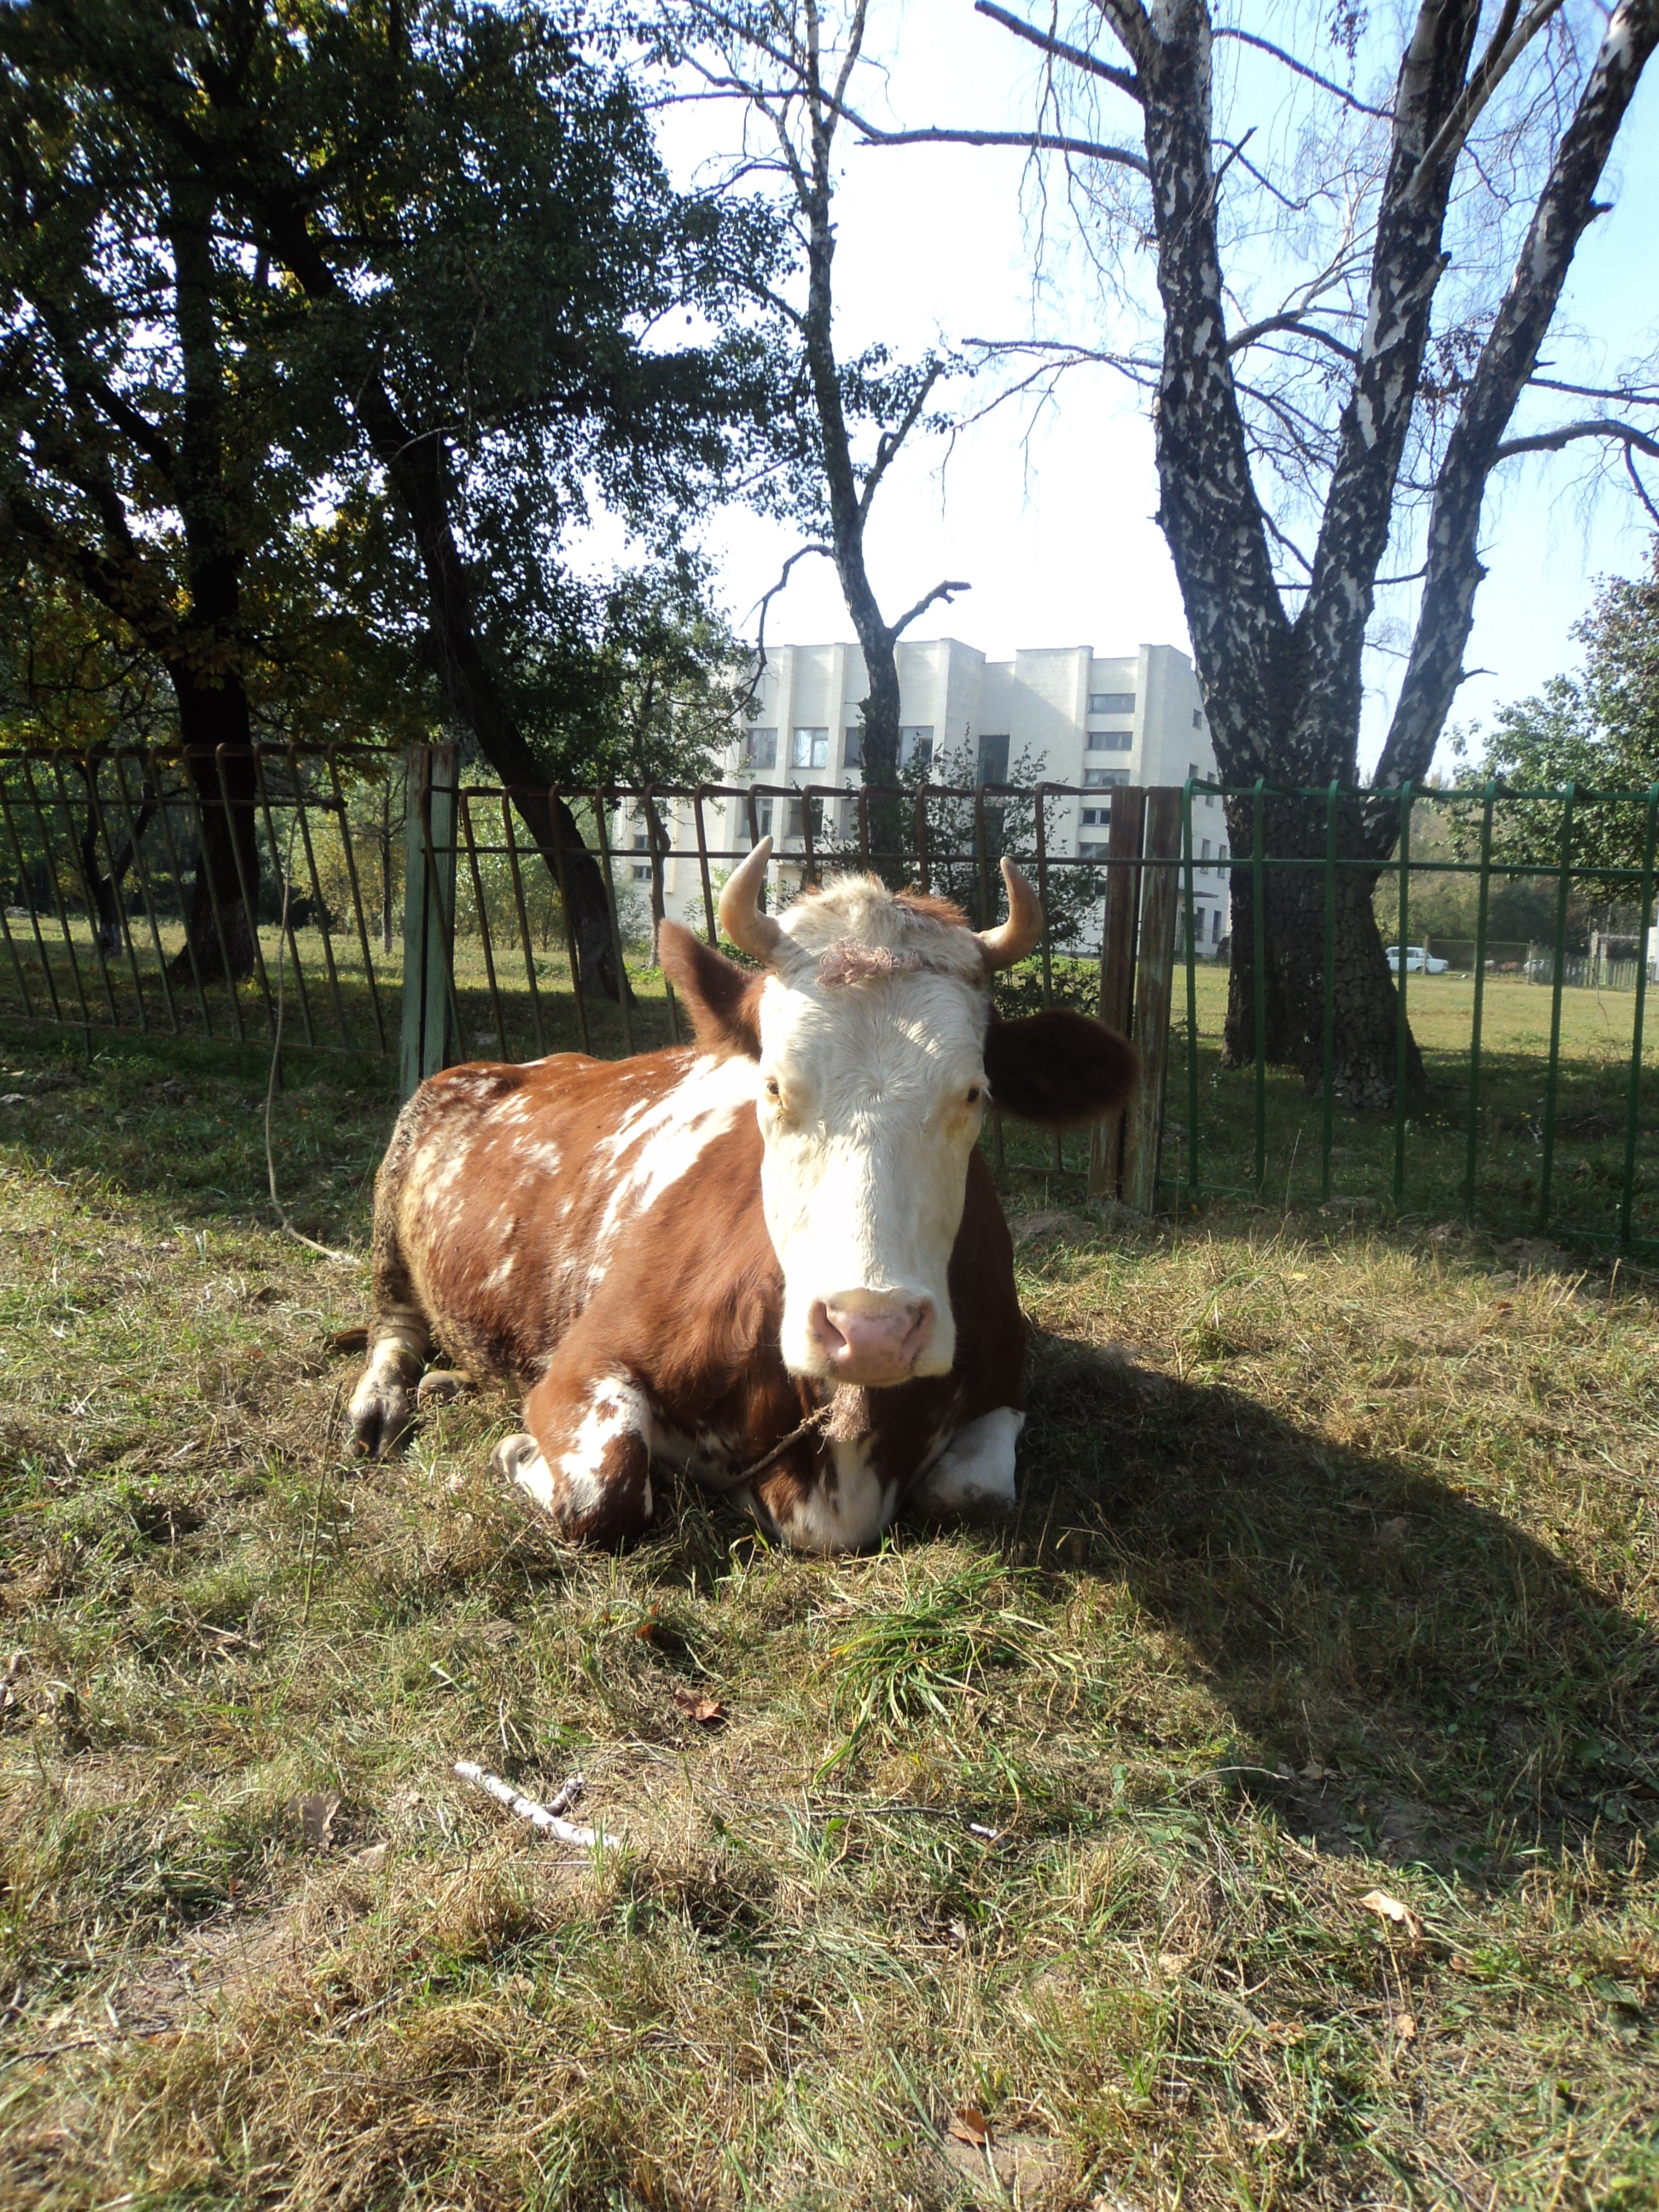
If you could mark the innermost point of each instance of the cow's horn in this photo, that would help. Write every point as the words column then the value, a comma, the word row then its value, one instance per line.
column 1012, row 939
column 752, row 931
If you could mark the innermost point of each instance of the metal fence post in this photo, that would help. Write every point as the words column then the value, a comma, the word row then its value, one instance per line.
column 429, row 902
column 1154, row 985
column 1120, row 919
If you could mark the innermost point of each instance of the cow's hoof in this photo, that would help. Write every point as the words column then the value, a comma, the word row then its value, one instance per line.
column 442, row 1384
column 381, row 1416
column 519, row 1459
column 972, row 1477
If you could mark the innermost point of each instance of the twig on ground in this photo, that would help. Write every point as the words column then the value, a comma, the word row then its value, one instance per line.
column 544, row 1817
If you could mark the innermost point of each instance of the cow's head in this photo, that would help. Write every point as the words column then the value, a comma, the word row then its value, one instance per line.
column 878, row 1053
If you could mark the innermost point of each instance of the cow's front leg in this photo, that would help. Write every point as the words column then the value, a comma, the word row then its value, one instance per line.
column 824, row 1497
column 383, row 1403
column 586, row 1457
column 972, row 1477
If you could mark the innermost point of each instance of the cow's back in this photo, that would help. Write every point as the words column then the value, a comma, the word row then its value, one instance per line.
column 511, row 1196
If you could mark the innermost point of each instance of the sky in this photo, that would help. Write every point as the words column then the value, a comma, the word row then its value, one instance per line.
column 1051, row 520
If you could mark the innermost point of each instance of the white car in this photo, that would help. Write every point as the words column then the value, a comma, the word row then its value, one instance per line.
column 1418, row 961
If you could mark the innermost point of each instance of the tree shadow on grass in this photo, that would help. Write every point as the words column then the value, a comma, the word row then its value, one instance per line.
column 1417, row 1677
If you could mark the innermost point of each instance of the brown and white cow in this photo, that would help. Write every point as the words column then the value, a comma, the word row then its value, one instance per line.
column 774, row 1259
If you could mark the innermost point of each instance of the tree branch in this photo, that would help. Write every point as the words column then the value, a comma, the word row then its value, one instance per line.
column 1252, row 331
column 1266, row 47
column 1079, row 56
column 1035, row 142
column 1507, row 45
column 889, row 440
column 766, row 599
column 1552, row 441
column 945, row 591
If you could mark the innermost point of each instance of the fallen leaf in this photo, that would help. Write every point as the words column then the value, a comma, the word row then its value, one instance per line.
column 349, row 1339
column 1391, row 1534
column 317, row 1819
column 707, row 1710
column 1405, row 2027
column 1503, row 1305
column 1389, row 1908
column 970, row 2125
column 1172, row 1962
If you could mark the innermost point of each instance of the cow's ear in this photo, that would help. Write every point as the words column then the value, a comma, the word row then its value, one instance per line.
column 723, row 999
column 1059, row 1068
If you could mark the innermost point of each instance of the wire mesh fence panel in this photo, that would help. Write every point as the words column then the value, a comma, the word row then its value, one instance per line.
column 1516, row 931
column 183, row 891
column 1518, row 949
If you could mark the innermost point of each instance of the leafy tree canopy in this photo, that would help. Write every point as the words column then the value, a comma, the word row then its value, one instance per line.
column 1597, row 729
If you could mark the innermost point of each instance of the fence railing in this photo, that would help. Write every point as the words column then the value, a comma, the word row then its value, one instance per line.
column 404, row 910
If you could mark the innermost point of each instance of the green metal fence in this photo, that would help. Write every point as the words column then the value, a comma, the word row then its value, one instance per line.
column 404, row 912
column 1450, row 1147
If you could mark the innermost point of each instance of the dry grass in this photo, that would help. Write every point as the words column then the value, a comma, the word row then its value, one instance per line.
column 1333, row 1573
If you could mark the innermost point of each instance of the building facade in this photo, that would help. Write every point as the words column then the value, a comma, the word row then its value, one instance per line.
column 1066, row 713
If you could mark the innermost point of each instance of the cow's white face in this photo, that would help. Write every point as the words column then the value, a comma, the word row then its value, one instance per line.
column 872, row 1093
column 873, row 1032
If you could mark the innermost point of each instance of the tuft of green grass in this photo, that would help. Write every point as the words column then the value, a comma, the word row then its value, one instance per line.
column 1333, row 1574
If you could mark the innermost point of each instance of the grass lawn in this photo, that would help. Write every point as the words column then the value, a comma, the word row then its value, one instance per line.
column 1310, row 1703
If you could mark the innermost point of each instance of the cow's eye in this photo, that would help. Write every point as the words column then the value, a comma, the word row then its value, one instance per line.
column 772, row 1090
column 975, row 1092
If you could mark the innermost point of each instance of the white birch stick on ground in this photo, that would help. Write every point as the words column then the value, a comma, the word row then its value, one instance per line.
column 543, row 1817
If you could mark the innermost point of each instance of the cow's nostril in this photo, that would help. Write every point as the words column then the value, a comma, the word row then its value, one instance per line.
column 828, row 1338
column 920, row 1333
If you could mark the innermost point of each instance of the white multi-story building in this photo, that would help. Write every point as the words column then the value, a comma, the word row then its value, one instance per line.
column 1071, row 715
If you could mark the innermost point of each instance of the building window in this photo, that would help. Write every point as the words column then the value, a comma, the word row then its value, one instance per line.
column 853, row 755
column 762, row 749
column 1215, row 926
column 642, row 875
column 810, row 748
column 916, row 745
column 1095, row 817
column 762, row 818
column 1090, row 848
column 1192, row 771
column 1111, row 702
column 1198, row 718
column 993, row 759
column 1204, row 853
column 1110, row 741
column 1095, row 778
column 797, row 809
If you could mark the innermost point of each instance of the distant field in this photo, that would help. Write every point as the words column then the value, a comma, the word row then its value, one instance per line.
column 1311, row 1702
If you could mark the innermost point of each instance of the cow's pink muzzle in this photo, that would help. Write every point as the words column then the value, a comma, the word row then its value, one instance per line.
column 872, row 1337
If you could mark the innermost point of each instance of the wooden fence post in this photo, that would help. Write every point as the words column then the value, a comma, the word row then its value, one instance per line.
column 428, row 912
column 1143, row 1126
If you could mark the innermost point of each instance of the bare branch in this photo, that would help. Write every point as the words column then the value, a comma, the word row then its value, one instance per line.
column 945, row 591
column 1035, row 142
column 1626, row 398
column 1597, row 426
column 1079, row 56
column 1266, row 47
column 1252, row 331
column 766, row 599
column 1639, row 488
column 1507, row 46
column 889, row 440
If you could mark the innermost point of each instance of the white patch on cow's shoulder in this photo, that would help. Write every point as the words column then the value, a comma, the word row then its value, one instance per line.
column 846, row 1515
column 496, row 1278
column 974, row 1473
column 667, row 1137
column 615, row 1408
